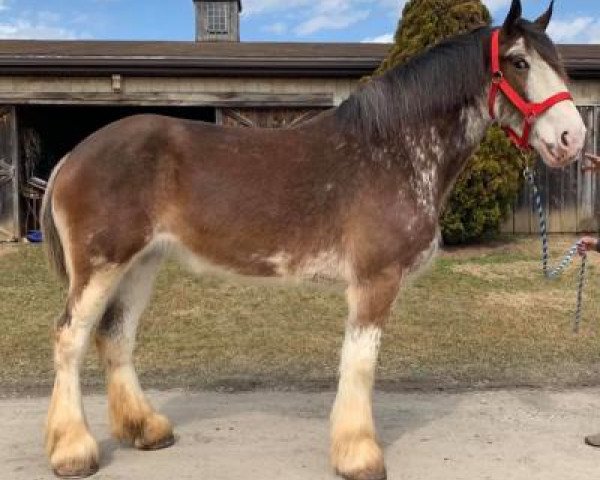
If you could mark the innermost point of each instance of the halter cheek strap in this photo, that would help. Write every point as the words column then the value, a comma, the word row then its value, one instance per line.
column 531, row 111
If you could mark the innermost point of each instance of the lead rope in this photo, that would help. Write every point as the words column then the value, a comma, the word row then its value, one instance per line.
column 568, row 258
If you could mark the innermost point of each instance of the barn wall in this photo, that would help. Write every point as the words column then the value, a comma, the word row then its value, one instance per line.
column 586, row 92
column 9, row 175
column 340, row 89
column 28, row 89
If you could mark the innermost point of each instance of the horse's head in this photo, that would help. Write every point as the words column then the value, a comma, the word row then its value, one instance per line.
column 544, row 117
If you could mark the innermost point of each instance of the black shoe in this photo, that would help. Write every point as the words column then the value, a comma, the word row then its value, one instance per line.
column 593, row 440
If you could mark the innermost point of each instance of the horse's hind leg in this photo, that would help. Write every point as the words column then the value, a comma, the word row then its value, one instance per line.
column 132, row 418
column 355, row 453
column 72, row 450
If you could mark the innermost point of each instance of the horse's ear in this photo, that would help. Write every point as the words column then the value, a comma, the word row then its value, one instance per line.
column 514, row 14
column 544, row 20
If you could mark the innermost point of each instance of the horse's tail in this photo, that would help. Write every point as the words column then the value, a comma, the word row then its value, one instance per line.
column 53, row 246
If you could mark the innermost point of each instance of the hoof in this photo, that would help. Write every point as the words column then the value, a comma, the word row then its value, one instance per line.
column 73, row 452
column 358, row 459
column 151, row 433
column 593, row 440
column 364, row 475
column 71, row 472
column 158, row 445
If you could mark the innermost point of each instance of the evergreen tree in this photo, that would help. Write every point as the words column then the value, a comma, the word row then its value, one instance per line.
column 487, row 188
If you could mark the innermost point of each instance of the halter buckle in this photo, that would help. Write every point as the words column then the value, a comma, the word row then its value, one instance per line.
column 497, row 77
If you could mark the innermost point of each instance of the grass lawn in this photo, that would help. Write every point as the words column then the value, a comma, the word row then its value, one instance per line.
column 479, row 317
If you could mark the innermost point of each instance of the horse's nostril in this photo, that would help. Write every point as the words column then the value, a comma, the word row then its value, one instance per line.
column 564, row 138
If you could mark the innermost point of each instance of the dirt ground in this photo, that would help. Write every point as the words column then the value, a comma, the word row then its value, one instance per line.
column 499, row 435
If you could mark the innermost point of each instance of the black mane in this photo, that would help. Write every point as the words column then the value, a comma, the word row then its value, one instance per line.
column 449, row 75
column 446, row 77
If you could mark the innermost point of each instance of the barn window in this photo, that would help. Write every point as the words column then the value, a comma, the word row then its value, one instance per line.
column 217, row 14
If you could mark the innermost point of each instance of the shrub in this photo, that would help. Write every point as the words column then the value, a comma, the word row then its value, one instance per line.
column 484, row 193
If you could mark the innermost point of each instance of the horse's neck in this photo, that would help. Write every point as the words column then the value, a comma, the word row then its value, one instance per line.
column 440, row 151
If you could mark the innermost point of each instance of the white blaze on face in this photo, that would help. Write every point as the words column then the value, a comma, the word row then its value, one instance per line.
column 559, row 133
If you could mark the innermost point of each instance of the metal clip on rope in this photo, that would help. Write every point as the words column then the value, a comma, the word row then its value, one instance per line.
column 568, row 258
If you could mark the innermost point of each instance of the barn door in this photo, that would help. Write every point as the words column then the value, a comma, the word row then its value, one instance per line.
column 9, row 177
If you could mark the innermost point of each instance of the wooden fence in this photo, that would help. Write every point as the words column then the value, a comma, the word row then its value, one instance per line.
column 571, row 197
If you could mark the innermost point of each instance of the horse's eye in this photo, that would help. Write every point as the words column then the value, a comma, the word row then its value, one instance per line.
column 520, row 64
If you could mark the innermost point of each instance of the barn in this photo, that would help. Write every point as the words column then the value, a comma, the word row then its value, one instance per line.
column 55, row 93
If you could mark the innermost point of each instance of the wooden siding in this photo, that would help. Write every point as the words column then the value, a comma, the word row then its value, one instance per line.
column 586, row 92
column 191, row 91
column 15, row 89
column 9, row 175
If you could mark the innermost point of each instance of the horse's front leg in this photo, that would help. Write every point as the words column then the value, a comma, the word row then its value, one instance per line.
column 355, row 453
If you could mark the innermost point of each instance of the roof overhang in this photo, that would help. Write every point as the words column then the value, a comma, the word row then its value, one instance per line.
column 581, row 61
column 168, row 67
column 223, row 59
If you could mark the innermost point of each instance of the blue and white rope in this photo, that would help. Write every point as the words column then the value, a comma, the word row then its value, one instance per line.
column 567, row 259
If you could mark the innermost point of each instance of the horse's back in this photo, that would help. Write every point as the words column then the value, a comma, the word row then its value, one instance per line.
column 226, row 193
column 147, row 137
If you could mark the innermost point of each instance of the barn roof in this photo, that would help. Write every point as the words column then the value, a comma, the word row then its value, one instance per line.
column 582, row 60
column 189, row 58
column 31, row 57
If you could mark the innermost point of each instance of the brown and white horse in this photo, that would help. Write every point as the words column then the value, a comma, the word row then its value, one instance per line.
column 353, row 195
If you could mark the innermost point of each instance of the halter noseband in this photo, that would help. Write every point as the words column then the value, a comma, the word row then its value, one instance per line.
column 531, row 111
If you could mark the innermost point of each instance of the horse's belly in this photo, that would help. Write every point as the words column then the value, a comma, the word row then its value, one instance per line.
column 321, row 267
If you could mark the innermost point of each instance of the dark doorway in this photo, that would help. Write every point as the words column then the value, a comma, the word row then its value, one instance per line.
column 47, row 133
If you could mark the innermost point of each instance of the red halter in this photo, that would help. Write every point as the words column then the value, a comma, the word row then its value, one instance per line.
column 529, row 110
